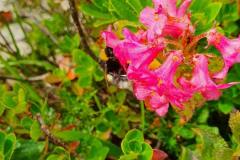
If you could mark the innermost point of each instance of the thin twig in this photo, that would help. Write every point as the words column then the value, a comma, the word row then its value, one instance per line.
column 29, row 79
column 48, row 134
column 14, row 40
column 85, row 45
column 5, row 49
column 12, row 78
column 6, row 43
column 51, row 137
column 19, row 20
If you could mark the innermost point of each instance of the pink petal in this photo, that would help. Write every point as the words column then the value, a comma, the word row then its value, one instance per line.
column 183, row 8
column 201, row 80
column 157, row 101
column 169, row 6
column 169, row 67
column 110, row 39
column 147, row 16
column 162, row 111
column 224, row 86
column 141, row 92
column 154, row 22
column 229, row 48
column 211, row 93
column 223, row 73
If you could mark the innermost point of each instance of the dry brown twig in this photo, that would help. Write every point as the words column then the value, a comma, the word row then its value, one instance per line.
column 51, row 137
column 48, row 134
column 84, row 42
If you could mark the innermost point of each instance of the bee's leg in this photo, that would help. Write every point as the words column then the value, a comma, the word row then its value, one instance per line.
column 105, row 75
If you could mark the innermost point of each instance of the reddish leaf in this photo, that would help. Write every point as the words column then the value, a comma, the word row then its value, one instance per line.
column 73, row 146
column 6, row 16
column 69, row 127
column 159, row 155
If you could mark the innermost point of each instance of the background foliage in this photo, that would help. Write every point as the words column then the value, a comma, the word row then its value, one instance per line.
column 56, row 104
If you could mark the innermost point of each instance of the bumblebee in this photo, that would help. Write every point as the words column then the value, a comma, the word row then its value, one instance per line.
column 115, row 72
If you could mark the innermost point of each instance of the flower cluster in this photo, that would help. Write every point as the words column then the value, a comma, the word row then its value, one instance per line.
column 162, row 61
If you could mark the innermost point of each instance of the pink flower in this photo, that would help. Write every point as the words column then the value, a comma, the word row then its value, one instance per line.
column 166, row 19
column 166, row 39
column 178, row 21
column 201, row 80
column 230, row 50
column 157, row 87
column 133, row 50
column 154, row 21
column 170, row 7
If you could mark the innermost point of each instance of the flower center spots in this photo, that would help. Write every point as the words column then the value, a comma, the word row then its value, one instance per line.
column 156, row 17
column 175, row 58
column 160, row 82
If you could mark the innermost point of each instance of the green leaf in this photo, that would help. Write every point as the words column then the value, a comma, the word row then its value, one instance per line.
column 226, row 108
column 68, row 135
column 203, row 115
column 197, row 6
column 55, row 23
column 204, row 18
column 98, row 74
column 26, row 122
column 211, row 145
column 121, row 96
column 136, row 5
column 85, row 81
column 114, row 150
column 123, row 10
column 86, row 68
column 101, row 4
column 9, row 100
column 2, row 140
column 92, row 148
column 146, row 3
column 59, row 153
column 186, row 133
column 98, row 151
column 2, row 109
column 35, row 131
column 9, row 146
column 130, row 136
column 94, row 11
column 27, row 149
column 147, row 152
column 187, row 154
column 22, row 104
column 135, row 146
column 212, row 10
column 69, row 43
column 131, row 156
column 101, row 22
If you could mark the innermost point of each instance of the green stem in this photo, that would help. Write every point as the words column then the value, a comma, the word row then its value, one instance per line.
column 9, row 68
column 5, row 51
column 142, row 115
column 97, row 102
column 14, row 40
column 19, row 20
column 43, row 64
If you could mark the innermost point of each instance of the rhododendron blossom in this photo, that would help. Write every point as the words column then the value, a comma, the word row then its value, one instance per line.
column 168, row 39
column 230, row 50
